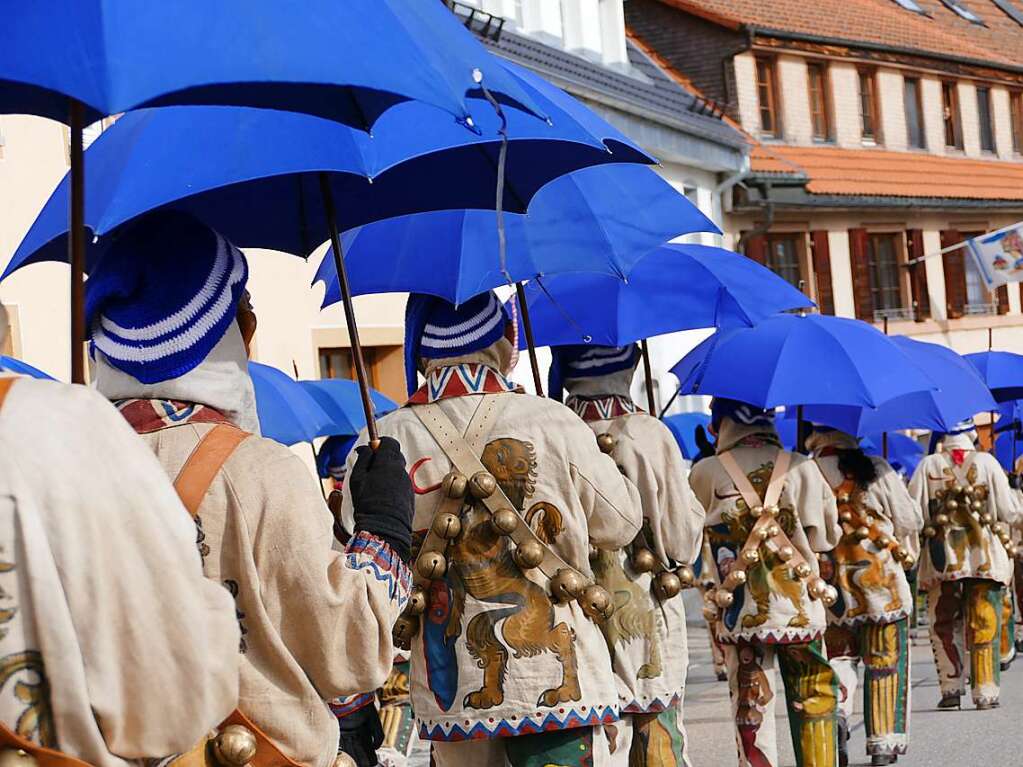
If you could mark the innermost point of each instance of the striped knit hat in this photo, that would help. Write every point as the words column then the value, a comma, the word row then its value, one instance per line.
column 163, row 295
column 330, row 460
column 437, row 329
column 587, row 361
column 740, row 412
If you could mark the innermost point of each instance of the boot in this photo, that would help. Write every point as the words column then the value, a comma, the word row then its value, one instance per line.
column 950, row 701
column 843, row 743
column 882, row 759
column 986, row 705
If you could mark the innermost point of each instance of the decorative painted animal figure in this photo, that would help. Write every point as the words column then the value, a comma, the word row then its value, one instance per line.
column 635, row 616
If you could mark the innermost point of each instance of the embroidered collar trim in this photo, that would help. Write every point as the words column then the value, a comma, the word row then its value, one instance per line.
column 602, row 408
column 464, row 380
column 148, row 415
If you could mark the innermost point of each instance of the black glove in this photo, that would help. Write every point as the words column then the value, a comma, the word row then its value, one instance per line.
column 1014, row 482
column 382, row 498
column 361, row 735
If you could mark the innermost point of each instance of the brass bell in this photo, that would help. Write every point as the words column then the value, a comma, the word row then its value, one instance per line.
column 986, row 518
column 528, row 554
column 843, row 498
column 454, row 485
column 750, row 556
column 883, row 541
column 643, row 560
column 929, row 532
column 710, row 608
column 15, row 757
column 447, row 525
column 802, row 570
column 772, row 510
column 773, row 531
column 566, row 585
column 785, row 553
column 417, row 601
column 977, row 505
column 952, row 505
column 606, row 443
column 863, row 532
column 763, row 533
column 735, row 579
column 908, row 561
column 899, row 554
column 596, row 602
column 941, row 519
column 817, row 588
column 846, row 516
column 957, row 489
column 830, row 596
column 431, row 565
column 686, row 576
column 234, row 746
column 505, row 521
column 344, row 760
column 724, row 599
column 482, row 485
column 667, row 585
column 756, row 512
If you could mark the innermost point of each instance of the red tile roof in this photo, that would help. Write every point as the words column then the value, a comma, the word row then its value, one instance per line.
column 834, row 171
column 942, row 33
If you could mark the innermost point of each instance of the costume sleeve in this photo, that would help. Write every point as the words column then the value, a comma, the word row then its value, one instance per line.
column 918, row 490
column 818, row 509
column 335, row 609
column 898, row 506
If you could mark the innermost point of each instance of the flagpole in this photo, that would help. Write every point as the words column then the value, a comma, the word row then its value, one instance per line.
column 957, row 246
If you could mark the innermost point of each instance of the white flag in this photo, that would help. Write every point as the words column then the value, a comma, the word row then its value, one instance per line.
column 999, row 255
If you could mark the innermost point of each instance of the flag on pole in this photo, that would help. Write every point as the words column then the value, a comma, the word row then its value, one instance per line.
column 999, row 255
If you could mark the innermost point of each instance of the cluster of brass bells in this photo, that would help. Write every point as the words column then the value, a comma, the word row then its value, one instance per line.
column 234, row 746
column 882, row 541
column 976, row 508
column 666, row 583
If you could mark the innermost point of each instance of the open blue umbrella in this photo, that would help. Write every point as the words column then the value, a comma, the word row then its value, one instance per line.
column 13, row 365
column 600, row 219
column 340, row 400
column 790, row 359
column 960, row 394
column 1002, row 372
column 683, row 428
column 673, row 287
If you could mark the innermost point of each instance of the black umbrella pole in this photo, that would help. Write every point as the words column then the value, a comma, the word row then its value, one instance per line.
column 800, row 430
column 346, row 298
column 650, row 404
column 76, row 241
column 671, row 402
column 884, row 445
column 527, row 328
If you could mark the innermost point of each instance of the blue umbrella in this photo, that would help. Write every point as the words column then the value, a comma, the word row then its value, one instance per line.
column 340, row 400
column 801, row 360
column 961, row 394
column 287, row 412
column 674, row 287
column 1002, row 372
column 683, row 427
column 598, row 219
column 12, row 365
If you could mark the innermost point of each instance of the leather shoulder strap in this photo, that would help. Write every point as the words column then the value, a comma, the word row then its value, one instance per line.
column 6, row 383
column 745, row 487
column 44, row 757
column 205, row 462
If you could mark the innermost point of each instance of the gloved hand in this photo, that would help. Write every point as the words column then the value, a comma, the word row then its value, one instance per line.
column 361, row 735
column 382, row 498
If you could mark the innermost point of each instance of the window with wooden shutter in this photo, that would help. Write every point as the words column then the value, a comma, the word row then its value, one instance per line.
column 820, row 251
column 918, row 275
column 860, row 265
column 1002, row 299
column 756, row 247
column 953, row 265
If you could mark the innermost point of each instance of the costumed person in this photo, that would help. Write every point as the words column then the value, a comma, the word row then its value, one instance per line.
column 102, row 596
column 331, row 465
column 508, row 662
column 969, row 512
column 869, row 622
column 769, row 512
column 646, row 636
column 170, row 325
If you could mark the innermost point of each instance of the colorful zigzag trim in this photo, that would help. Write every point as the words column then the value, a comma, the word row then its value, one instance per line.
column 563, row 719
column 366, row 551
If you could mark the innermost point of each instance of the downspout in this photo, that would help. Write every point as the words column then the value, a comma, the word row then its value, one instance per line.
column 767, row 204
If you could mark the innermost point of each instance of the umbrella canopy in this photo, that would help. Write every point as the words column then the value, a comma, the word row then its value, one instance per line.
column 961, row 394
column 257, row 181
column 601, row 219
column 1002, row 372
column 347, row 61
column 801, row 360
column 341, row 401
column 12, row 365
column 674, row 287
column 683, row 428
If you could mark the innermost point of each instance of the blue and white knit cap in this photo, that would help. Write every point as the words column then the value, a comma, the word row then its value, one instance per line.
column 740, row 412
column 964, row 426
column 587, row 361
column 330, row 460
column 437, row 329
column 163, row 295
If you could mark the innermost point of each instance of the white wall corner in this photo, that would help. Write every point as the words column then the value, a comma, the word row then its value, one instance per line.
column 841, row 273
column 935, row 270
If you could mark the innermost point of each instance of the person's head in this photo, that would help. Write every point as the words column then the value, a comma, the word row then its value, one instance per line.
column 439, row 333
column 578, row 368
column 742, row 413
column 164, row 294
column 853, row 462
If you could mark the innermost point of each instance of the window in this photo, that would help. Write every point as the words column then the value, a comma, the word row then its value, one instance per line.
column 767, row 93
column 1011, row 10
column 820, row 106
column 883, row 262
column 961, row 10
column 914, row 113
column 987, row 133
column 385, row 364
column 911, row 5
column 869, row 128
column 783, row 256
column 1016, row 118
column 978, row 299
column 950, row 116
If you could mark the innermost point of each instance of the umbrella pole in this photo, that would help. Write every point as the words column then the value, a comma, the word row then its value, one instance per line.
column 800, row 428
column 884, row 445
column 76, row 241
column 651, row 405
column 527, row 328
column 346, row 298
column 671, row 402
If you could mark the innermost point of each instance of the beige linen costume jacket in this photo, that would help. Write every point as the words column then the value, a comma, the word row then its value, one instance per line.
column 494, row 657
column 773, row 606
column 113, row 646
column 647, row 637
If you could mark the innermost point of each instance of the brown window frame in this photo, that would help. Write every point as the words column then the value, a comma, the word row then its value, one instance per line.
column 876, row 289
column 1016, row 120
column 869, row 133
column 820, row 101
column 985, row 128
column 951, row 115
column 766, row 75
column 374, row 355
column 798, row 241
column 919, row 107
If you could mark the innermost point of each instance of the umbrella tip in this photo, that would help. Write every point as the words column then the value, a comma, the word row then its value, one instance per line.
column 477, row 75
column 587, row 339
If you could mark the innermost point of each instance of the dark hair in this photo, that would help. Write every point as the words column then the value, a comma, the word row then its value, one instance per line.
column 858, row 466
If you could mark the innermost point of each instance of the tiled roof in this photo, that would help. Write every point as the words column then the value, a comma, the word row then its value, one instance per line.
column 878, row 173
column 941, row 33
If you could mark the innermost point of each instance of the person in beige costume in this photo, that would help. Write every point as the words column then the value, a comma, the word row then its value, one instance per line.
column 113, row 647
column 647, row 634
column 170, row 325
column 870, row 621
column 503, row 671
column 769, row 512
column 970, row 512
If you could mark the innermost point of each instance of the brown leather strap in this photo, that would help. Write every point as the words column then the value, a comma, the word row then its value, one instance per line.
column 6, row 383
column 267, row 753
column 774, row 486
column 205, row 462
column 45, row 757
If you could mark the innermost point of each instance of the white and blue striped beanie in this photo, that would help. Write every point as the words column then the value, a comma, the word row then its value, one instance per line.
column 740, row 412
column 163, row 295
column 587, row 361
column 437, row 329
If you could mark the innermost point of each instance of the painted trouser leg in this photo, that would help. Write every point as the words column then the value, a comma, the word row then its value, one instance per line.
column 716, row 653
column 654, row 740
column 983, row 635
column 1008, row 643
column 812, row 693
column 885, row 652
column 945, row 611
column 843, row 645
column 751, row 686
column 577, row 747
